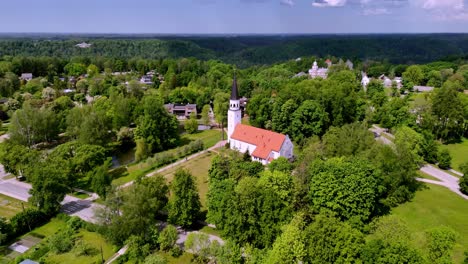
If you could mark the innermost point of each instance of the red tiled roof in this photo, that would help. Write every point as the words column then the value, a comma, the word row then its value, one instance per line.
column 265, row 140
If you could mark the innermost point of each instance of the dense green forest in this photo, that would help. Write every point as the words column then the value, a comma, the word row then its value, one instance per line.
column 243, row 50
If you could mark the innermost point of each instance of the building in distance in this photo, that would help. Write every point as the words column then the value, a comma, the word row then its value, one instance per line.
column 262, row 145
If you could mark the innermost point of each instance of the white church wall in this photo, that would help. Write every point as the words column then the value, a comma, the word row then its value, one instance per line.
column 241, row 146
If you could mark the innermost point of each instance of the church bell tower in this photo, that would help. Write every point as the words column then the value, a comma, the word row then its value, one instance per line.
column 234, row 112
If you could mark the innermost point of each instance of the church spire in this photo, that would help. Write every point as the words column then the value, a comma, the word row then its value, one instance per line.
column 234, row 92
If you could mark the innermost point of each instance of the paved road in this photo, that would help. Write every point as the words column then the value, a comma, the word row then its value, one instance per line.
column 177, row 163
column 83, row 208
column 447, row 180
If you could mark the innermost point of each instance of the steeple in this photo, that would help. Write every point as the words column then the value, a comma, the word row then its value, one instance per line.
column 234, row 92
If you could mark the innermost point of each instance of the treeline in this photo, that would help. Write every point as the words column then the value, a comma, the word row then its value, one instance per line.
column 248, row 50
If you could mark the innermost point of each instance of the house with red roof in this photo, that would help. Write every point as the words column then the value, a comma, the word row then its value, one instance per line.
column 263, row 145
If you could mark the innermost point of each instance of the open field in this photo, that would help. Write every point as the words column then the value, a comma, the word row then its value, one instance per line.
column 199, row 167
column 433, row 207
column 10, row 206
column 419, row 99
column 209, row 137
column 459, row 153
column 95, row 240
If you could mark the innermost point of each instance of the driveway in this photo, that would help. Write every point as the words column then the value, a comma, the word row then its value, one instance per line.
column 447, row 180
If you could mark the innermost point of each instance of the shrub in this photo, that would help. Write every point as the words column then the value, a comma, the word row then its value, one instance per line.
column 27, row 220
column 74, row 223
column 6, row 230
column 463, row 183
column 167, row 238
column 62, row 241
column 444, row 159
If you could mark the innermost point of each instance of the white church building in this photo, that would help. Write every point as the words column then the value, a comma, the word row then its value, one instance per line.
column 263, row 145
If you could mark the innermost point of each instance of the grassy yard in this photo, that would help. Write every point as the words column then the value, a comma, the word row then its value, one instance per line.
column 10, row 206
column 459, row 153
column 433, row 207
column 199, row 167
column 419, row 99
column 209, row 137
column 91, row 238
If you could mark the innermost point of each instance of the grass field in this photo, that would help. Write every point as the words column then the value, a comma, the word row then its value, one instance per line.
column 419, row 99
column 199, row 167
column 10, row 206
column 433, row 207
column 209, row 137
column 459, row 153
column 91, row 238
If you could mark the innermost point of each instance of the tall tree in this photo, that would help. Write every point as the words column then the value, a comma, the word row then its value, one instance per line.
column 156, row 126
column 308, row 120
column 185, row 201
column 447, row 107
column 348, row 187
column 30, row 126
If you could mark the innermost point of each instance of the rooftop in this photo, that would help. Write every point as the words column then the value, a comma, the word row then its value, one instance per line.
column 265, row 140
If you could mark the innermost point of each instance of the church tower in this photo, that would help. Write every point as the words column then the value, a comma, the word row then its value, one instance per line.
column 234, row 112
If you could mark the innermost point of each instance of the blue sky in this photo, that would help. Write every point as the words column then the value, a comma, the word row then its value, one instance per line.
column 234, row 16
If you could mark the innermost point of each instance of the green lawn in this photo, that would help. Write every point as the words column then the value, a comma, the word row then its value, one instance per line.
column 48, row 229
column 209, row 137
column 93, row 239
column 10, row 206
column 419, row 99
column 199, row 167
column 459, row 153
column 433, row 207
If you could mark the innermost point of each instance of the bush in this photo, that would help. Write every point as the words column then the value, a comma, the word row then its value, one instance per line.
column 74, row 223
column 83, row 248
column 176, row 251
column 27, row 220
column 6, row 230
column 39, row 251
column 62, row 241
column 167, row 238
column 445, row 159
column 463, row 183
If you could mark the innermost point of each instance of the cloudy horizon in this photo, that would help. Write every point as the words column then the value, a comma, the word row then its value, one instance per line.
column 236, row 16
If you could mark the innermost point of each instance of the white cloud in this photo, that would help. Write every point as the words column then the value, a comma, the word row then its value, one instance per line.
column 375, row 11
column 445, row 10
column 442, row 4
column 287, row 2
column 329, row 3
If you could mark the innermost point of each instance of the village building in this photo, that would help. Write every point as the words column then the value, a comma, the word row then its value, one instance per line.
column 315, row 71
column 26, row 76
column 420, row 89
column 181, row 111
column 365, row 80
column 262, row 145
column 146, row 79
column 349, row 64
column 83, row 45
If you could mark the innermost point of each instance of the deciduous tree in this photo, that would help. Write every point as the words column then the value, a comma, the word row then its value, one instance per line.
column 185, row 201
